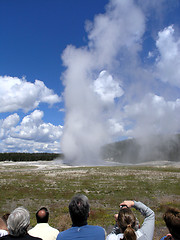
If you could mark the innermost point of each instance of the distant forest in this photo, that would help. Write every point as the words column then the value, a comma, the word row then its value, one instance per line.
column 25, row 157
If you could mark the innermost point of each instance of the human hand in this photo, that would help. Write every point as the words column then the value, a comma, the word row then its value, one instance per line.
column 116, row 217
column 128, row 203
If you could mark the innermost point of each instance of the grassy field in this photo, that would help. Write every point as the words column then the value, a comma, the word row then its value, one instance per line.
column 53, row 186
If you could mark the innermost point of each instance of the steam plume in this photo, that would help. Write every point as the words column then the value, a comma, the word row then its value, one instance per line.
column 102, row 105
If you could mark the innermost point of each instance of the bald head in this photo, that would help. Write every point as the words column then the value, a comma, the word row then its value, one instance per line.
column 42, row 215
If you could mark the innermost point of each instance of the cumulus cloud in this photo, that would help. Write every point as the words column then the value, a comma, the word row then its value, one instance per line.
column 18, row 94
column 168, row 62
column 31, row 134
column 10, row 121
column 107, row 88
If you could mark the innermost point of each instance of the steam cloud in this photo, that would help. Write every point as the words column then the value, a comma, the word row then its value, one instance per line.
column 109, row 93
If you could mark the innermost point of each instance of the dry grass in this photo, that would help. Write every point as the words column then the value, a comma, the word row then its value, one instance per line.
column 34, row 186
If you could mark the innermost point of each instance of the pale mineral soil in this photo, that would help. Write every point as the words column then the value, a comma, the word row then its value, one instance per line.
column 59, row 164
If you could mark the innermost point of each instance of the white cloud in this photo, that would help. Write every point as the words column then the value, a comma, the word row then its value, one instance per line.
column 154, row 115
column 168, row 63
column 18, row 94
column 19, row 145
column 107, row 88
column 32, row 134
column 10, row 121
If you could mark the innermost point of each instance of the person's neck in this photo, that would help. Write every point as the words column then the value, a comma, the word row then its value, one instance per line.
column 79, row 224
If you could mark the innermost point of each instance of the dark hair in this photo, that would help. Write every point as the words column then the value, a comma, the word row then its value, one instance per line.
column 79, row 210
column 5, row 217
column 127, row 221
column 172, row 220
column 42, row 215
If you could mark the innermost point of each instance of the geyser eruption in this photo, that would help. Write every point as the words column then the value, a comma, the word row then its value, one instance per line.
column 85, row 130
column 98, row 110
column 87, row 102
column 84, row 127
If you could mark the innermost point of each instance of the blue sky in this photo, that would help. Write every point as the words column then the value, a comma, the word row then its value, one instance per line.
column 82, row 72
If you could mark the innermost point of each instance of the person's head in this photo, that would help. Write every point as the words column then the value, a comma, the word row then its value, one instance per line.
column 172, row 220
column 5, row 217
column 127, row 221
column 42, row 215
column 3, row 225
column 79, row 209
column 18, row 222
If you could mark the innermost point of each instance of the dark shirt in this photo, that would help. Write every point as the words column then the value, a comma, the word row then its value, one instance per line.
column 24, row 237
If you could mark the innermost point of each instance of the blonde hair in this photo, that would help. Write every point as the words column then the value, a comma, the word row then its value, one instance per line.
column 127, row 221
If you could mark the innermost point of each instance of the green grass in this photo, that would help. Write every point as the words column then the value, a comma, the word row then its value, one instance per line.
column 105, row 187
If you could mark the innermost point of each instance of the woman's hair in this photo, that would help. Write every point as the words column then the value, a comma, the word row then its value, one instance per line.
column 127, row 221
column 18, row 222
column 172, row 220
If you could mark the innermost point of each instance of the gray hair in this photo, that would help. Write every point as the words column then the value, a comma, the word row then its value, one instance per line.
column 18, row 222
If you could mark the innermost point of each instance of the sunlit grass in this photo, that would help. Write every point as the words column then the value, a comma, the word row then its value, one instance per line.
column 105, row 187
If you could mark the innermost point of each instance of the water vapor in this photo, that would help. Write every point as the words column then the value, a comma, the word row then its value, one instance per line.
column 109, row 93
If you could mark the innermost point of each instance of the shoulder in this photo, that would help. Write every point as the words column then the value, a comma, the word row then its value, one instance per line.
column 53, row 229
column 27, row 236
column 32, row 229
column 3, row 233
column 113, row 236
column 94, row 227
column 65, row 233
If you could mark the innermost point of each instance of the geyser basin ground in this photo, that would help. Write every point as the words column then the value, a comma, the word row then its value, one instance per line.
column 45, row 183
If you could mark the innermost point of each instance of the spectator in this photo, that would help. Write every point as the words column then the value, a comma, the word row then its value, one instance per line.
column 127, row 222
column 5, row 217
column 116, row 228
column 172, row 220
column 17, row 223
column 42, row 228
column 3, row 227
column 79, row 211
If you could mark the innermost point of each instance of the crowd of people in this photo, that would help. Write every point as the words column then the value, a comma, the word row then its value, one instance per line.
column 15, row 225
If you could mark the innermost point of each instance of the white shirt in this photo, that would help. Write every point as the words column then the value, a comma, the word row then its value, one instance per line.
column 3, row 233
column 44, row 231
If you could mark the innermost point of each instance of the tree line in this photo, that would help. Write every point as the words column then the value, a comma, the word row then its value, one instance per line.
column 25, row 157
